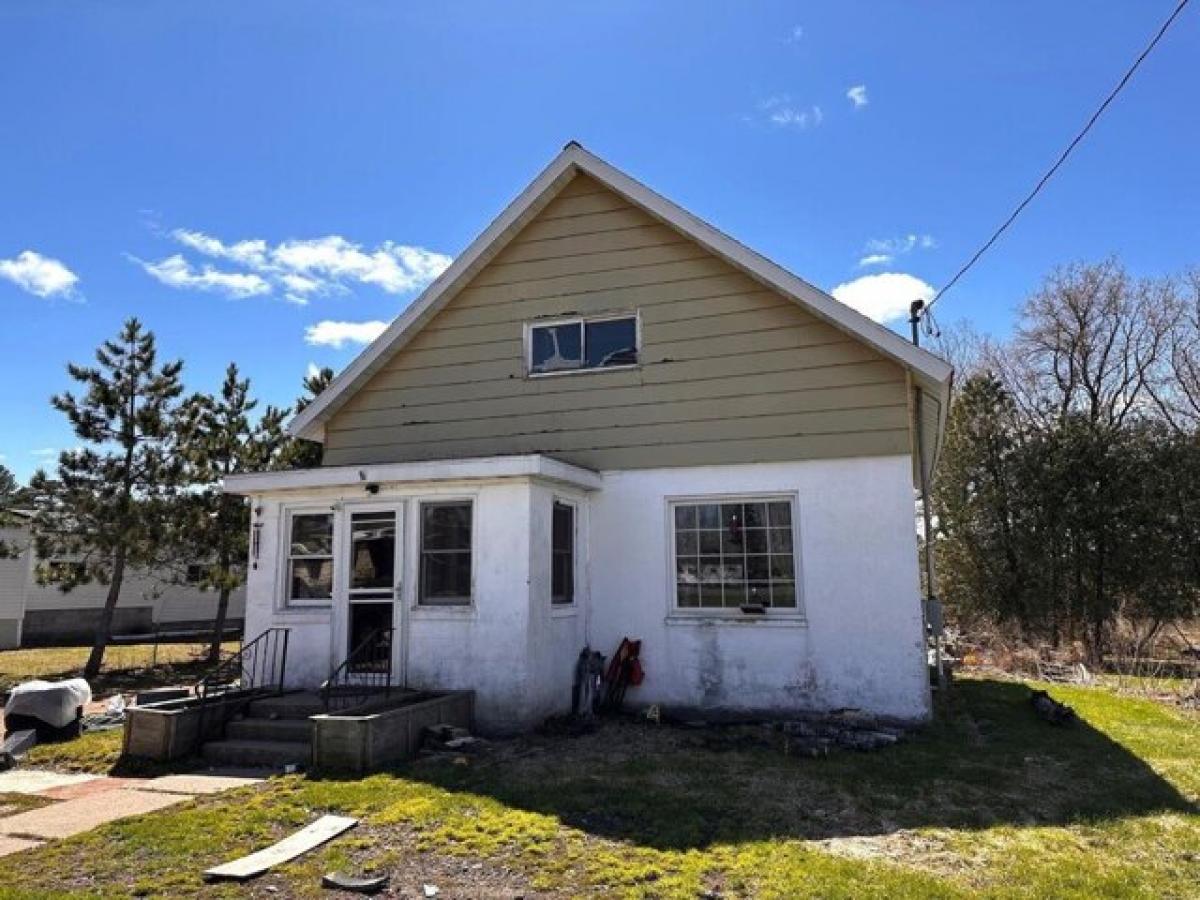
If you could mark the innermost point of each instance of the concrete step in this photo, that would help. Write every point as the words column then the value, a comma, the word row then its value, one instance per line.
column 296, row 705
column 255, row 729
column 254, row 753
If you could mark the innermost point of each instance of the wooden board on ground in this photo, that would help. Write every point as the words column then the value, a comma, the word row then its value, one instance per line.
column 324, row 829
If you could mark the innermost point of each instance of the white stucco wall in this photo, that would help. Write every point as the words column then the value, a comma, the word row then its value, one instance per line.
column 861, row 644
column 858, row 642
column 505, row 646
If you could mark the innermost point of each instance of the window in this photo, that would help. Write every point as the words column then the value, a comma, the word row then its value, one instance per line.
column 581, row 344
column 562, row 554
column 195, row 573
column 734, row 554
column 310, row 558
column 445, row 553
column 373, row 551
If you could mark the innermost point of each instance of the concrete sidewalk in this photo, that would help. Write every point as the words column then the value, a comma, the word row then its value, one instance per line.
column 79, row 803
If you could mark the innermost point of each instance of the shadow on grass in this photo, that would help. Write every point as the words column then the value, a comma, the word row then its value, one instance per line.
column 986, row 760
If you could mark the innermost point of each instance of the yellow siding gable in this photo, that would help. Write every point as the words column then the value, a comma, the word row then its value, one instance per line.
column 730, row 371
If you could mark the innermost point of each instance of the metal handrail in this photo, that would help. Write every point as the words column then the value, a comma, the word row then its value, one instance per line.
column 365, row 673
column 257, row 668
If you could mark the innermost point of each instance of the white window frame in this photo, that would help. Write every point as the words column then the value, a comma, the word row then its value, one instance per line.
column 583, row 321
column 419, row 603
column 286, row 600
column 794, row 615
column 574, row 506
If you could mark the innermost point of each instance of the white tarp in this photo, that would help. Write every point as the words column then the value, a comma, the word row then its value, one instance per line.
column 53, row 702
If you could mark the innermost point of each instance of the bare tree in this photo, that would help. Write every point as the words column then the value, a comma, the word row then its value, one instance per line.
column 1092, row 342
column 1177, row 392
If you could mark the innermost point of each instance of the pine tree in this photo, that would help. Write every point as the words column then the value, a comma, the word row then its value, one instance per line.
column 108, row 505
column 8, row 488
column 10, row 492
column 218, row 438
column 302, row 454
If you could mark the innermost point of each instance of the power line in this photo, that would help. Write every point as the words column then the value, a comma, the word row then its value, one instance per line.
column 1061, row 159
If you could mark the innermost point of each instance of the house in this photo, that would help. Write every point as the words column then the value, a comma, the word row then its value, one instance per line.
column 152, row 602
column 609, row 419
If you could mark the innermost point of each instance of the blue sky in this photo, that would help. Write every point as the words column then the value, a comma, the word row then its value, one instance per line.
column 207, row 166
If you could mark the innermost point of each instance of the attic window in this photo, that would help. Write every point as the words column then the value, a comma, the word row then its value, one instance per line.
column 577, row 345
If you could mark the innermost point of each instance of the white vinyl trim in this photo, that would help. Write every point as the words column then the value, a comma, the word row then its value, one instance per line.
column 525, row 466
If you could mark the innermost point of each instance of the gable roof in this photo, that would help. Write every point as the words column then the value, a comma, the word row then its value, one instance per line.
column 929, row 371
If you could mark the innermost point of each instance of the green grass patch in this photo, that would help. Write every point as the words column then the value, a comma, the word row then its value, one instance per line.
column 988, row 801
column 126, row 668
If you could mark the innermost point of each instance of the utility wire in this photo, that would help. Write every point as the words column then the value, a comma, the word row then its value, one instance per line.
column 1061, row 159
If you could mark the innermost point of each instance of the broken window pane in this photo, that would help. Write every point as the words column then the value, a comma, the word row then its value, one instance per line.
column 611, row 342
column 556, row 348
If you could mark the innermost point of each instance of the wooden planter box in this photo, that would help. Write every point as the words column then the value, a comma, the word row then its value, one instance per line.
column 171, row 729
column 371, row 740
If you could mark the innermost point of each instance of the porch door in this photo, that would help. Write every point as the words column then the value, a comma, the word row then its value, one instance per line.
column 373, row 576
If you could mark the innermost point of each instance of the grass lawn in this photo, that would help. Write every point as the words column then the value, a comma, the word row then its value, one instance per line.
column 989, row 801
column 126, row 668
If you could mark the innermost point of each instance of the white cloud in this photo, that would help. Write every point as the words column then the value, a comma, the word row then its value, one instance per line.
column 176, row 272
column 39, row 275
column 880, row 251
column 249, row 253
column 395, row 268
column 906, row 243
column 796, row 34
column 337, row 334
column 858, row 96
column 780, row 111
column 301, row 269
column 313, row 370
column 884, row 297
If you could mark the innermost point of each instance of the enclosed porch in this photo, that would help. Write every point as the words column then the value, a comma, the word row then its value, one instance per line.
column 438, row 576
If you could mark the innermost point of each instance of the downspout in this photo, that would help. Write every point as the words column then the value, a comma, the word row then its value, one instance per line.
column 929, row 607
